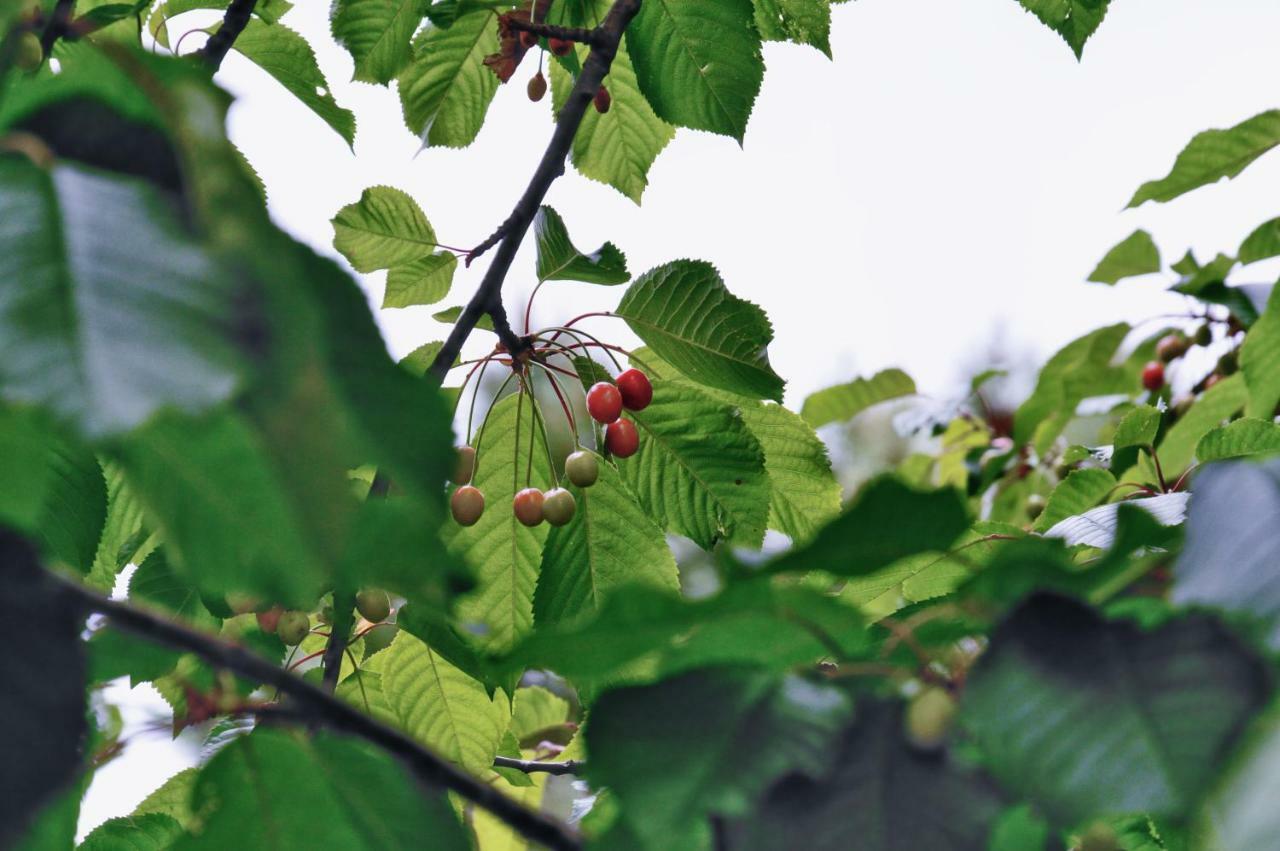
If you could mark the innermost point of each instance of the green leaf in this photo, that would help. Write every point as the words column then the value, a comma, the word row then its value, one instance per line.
column 671, row 761
column 1087, row 717
column 698, row 64
column 504, row 553
column 1177, row 448
column 384, row 229
column 1076, row 494
column 124, row 539
column 43, row 699
column 74, row 507
column 1260, row 360
column 377, row 34
column 559, row 260
column 1239, row 438
column 1229, row 559
column 1240, row 814
column 699, row 471
column 441, row 706
column 800, row 21
column 536, row 710
column 1213, row 155
column 887, row 521
column 1136, row 255
column 158, row 23
column 172, row 799
column 643, row 633
column 271, row 789
column 880, row 794
column 450, row 315
column 845, row 401
column 1074, row 20
column 609, row 543
column 684, row 312
column 1137, row 428
column 619, row 147
column 423, row 281
column 288, row 57
column 152, row 832
column 156, row 583
column 446, row 90
column 169, row 337
column 1080, row 369
column 418, row 361
column 1262, row 244
column 803, row 491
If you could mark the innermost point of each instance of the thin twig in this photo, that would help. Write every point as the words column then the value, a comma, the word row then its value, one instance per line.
column 578, row 34
column 532, row 766
column 317, row 705
column 488, row 297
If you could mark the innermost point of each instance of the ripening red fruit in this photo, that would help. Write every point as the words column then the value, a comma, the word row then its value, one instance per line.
column 537, row 87
column 559, row 46
column 373, row 605
column 1153, row 376
column 558, row 506
column 528, row 506
column 528, row 40
column 621, row 438
column 582, row 468
column 1171, row 347
column 636, row 390
column 293, row 627
column 465, row 466
column 602, row 100
column 1212, row 380
column 604, row 402
column 270, row 619
column 467, row 504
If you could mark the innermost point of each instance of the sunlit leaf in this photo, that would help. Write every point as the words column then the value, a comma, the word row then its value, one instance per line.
column 845, row 401
column 1213, row 155
column 1136, row 255
column 446, row 90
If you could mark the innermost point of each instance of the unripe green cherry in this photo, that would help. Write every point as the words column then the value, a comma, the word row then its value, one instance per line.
column 1035, row 506
column 1204, row 335
column 27, row 53
column 465, row 467
column 558, row 506
column 466, row 504
column 293, row 627
column 1228, row 363
column 928, row 718
column 243, row 604
column 373, row 605
column 582, row 468
column 528, row 505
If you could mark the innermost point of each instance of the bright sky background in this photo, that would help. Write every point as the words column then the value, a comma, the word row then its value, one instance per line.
column 952, row 175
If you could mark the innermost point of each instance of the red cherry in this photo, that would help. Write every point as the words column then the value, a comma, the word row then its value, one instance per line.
column 465, row 465
column 1171, row 347
column 604, row 402
column 1153, row 376
column 528, row 506
column 270, row 619
column 559, row 46
column 621, row 438
column 602, row 100
column 467, row 504
column 636, row 390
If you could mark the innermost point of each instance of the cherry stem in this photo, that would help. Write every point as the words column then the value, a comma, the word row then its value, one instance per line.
column 475, row 467
column 1155, row 459
column 533, row 430
column 515, row 458
column 1177, row 486
column 546, row 438
column 306, row 659
column 528, row 307
column 577, row 335
column 564, row 405
column 475, row 394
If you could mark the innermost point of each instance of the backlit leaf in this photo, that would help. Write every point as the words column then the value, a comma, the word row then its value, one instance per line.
column 1213, row 155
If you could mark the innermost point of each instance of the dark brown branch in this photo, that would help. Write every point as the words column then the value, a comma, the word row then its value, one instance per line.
column 532, row 766
column 233, row 23
column 343, row 602
column 57, row 26
column 318, row 706
column 578, row 34
column 488, row 297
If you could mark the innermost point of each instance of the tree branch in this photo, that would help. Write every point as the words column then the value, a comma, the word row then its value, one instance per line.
column 509, row 235
column 233, row 23
column 57, row 26
column 317, row 705
column 343, row 602
column 578, row 34
column 532, row 766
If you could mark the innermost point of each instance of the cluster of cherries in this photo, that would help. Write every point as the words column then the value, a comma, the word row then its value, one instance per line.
column 557, row 506
column 1173, row 346
column 538, row 83
column 293, row 625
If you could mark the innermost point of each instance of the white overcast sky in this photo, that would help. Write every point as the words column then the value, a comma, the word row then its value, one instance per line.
column 953, row 172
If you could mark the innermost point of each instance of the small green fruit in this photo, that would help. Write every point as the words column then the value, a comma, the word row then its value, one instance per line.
column 293, row 627
column 1100, row 837
column 1229, row 363
column 929, row 717
column 558, row 506
column 27, row 53
column 1035, row 506
column 582, row 468
column 373, row 605
column 243, row 604
column 1204, row 335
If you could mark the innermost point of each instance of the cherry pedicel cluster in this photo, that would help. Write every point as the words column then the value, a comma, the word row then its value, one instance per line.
column 606, row 401
column 1173, row 346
